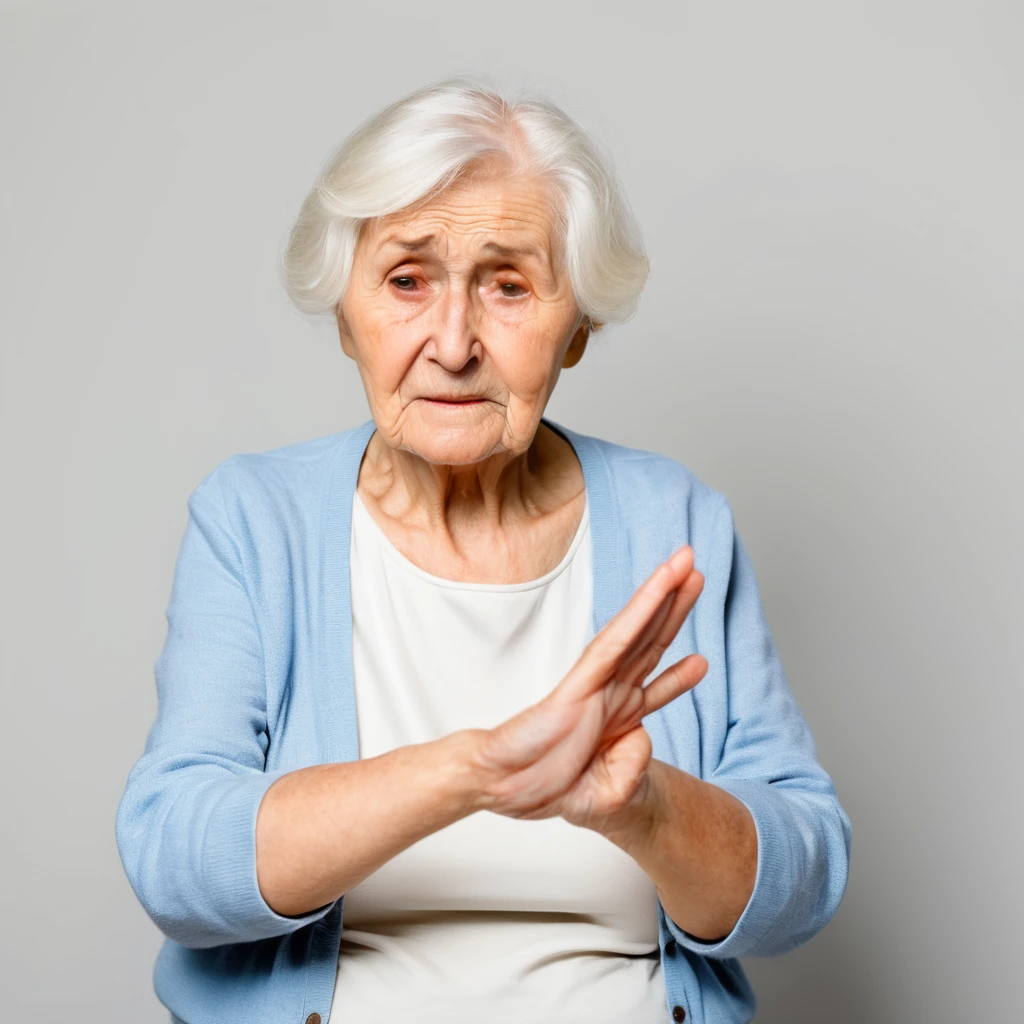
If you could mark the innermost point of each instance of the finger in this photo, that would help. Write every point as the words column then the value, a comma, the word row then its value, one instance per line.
column 610, row 779
column 649, row 634
column 606, row 651
column 627, row 683
column 641, row 662
column 681, row 561
column 631, row 623
column 686, row 598
column 624, row 759
column 674, row 681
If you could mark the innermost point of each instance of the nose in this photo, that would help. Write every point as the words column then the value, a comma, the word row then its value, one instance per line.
column 454, row 343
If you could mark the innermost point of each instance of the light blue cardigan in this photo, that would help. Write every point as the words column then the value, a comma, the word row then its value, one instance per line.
column 255, row 680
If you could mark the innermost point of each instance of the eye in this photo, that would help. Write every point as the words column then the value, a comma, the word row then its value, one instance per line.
column 405, row 284
column 513, row 291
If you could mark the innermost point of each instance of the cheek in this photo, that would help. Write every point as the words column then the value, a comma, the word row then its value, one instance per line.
column 386, row 349
column 526, row 361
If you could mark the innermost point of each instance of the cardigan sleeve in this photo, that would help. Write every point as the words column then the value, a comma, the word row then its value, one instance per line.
column 186, row 822
column 769, row 763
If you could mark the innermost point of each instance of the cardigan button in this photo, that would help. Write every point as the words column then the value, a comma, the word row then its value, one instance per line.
column 678, row 1014
column 314, row 1018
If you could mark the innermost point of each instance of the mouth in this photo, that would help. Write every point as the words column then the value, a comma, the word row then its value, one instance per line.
column 453, row 401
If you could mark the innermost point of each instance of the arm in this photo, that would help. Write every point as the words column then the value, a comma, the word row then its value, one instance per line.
column 696, row 842
column 754, row 861
column 216, row 848
column 186, row 820
column 321, row 830
column 199, row 802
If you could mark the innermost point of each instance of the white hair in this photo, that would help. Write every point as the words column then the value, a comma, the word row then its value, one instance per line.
column 421, row 144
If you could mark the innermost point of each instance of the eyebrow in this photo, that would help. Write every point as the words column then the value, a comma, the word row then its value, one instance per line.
column 419, row 244
column 510, row 252
column 410, row 244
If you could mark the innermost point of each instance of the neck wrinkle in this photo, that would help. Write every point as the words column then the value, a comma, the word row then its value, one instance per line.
column 485, row 494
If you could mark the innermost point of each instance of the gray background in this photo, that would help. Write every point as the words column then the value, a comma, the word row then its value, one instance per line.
column 831, row 335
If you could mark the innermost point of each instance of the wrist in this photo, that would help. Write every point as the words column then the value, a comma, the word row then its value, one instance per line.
column 462, row 777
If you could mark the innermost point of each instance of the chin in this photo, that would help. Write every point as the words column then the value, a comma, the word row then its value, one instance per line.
column 446, row 450
column 453, row 444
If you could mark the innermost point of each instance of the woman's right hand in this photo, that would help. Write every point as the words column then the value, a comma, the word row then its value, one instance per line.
column 533, row 765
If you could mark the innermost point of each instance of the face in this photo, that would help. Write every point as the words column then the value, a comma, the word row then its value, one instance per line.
column 460, row 319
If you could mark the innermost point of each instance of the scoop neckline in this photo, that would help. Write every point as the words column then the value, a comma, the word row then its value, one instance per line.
column 498, row 588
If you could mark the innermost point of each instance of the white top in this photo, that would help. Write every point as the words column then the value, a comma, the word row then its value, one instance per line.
column 491, row 918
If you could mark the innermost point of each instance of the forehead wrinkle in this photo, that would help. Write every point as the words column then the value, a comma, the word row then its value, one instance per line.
column 515, row 228
column 462, row 212
column 505, row 252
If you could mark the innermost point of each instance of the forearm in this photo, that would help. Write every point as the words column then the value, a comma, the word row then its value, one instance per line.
column 696, row 842
column 323, row 829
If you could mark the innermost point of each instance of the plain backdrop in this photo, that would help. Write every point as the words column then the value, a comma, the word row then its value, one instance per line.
column 832, row 335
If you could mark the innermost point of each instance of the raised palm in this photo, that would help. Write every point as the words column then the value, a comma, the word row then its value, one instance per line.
column 581, row 752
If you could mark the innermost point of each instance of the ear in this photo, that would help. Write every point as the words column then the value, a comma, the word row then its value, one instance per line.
column 578, row 345
column 347, row 345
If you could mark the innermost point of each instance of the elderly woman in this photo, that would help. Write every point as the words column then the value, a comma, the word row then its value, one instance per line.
column 430, row 743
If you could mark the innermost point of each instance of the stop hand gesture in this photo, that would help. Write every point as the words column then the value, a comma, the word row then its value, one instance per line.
column 581, row 753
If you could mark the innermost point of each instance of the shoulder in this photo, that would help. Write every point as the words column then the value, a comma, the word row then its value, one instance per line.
column 638, row 467
column 646, row 483
column 282, row 483
column 266, row 509
column 656, row 502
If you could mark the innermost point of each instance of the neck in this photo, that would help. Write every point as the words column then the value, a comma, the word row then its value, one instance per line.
column 408, row 488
